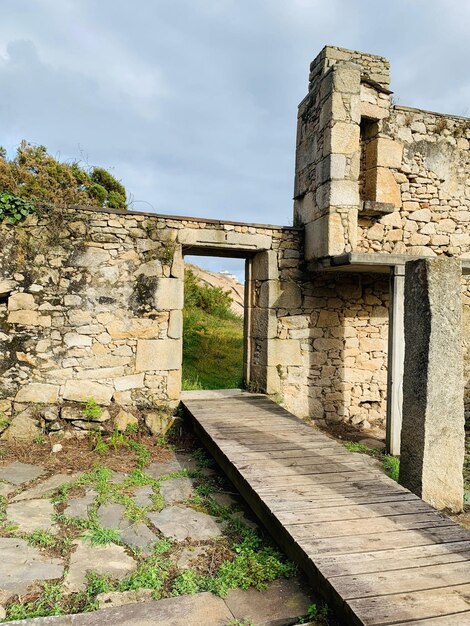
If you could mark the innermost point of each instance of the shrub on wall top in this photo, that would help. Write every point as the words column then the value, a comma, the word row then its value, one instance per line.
column 35, row 176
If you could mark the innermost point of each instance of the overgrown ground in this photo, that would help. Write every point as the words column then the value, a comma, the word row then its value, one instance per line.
column 212, row 338
column 241, row 557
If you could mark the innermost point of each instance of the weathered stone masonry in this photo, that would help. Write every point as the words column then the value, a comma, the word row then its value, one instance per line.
column 90, row 306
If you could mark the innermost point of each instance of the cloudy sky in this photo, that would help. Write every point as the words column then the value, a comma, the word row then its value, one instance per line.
column 192, row 103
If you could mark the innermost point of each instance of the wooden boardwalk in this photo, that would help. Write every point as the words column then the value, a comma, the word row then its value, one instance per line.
column 377, row 553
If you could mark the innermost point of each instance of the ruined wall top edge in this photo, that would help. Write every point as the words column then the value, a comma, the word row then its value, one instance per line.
column 180, row 218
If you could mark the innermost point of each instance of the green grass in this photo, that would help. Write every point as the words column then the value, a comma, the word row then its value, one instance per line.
column 212, row 351
column 99, row 536
column 391, row 463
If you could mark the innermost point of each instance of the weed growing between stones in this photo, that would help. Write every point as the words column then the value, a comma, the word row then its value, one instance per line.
column 42, row 539
column 48, row 604
column 100, row 536
column 91, row 410
column 391, row 463
column 241, row 557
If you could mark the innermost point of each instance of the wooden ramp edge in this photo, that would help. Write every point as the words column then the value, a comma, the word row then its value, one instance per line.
column 376, row 552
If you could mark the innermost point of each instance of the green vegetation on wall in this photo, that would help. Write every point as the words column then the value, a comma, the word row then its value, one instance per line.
column 212, row 338
column 34, row 179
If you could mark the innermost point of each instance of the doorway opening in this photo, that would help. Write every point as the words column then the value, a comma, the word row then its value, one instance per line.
column 214, row 323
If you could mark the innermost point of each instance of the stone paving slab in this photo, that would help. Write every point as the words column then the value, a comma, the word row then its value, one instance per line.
column 136, row 534
column 189, row 555
column 79, row 507
column 110, row 515
column 143, row 496
column 185, row 523
column 120, row 598
column 19, row 473
column 22, row 565
column 6, row 489
column 31, row 515
column 179, row 462
column 281, row 604
column 176, row 490
column 47, row 487
column 110, row 560
column 201, row 609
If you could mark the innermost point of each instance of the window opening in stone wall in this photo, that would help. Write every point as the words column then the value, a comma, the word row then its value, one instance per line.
column 213, row 323
column 368, row 166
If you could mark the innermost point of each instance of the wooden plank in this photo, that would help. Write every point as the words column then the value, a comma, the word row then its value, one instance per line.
column 358, row 527
column 391, row 609
column 451, row 619
column 393, row 559
column 411, row 579
column 312, row 479
column 352, row 512
column 382, row 541
column 294, row 454
column 279, row 470
column 336, row 501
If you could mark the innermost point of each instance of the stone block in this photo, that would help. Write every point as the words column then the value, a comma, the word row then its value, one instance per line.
column 38, row 392
column 381, row 186
column 83, row 390
column 316, row 238
column 158, row 355
column 158, row 423
column 284, row 352
column 344, row 193
column 6, row 287
column 124, row 419
column 22, row 427
column 133, row 328
column 342, row 138
column 201, row 236
column 263, row 323
column 283, row 602
column 264, row 266
column 100, row 373
column 374, row 111
column 175, row 324
column 24, row 318
column 92, row 258
column 433, row 429
column 383, row 152
column 173, row 384
column 169, row 294
column 347, row 78
column 422, row 215
column 336, row 235
column 249, row 240
column 74, row 340
column 21, row 302
column 132, row 381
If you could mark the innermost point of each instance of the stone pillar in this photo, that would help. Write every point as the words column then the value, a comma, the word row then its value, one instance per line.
column 433, row 436
column 327, row 161
column 396, row 351
column 264, row 290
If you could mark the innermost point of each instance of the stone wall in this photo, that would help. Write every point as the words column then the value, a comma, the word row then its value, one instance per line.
column 374, row 177
column 91, row 307
column 429, row 158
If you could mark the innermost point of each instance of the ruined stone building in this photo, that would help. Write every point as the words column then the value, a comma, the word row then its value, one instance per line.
column 91, row 303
